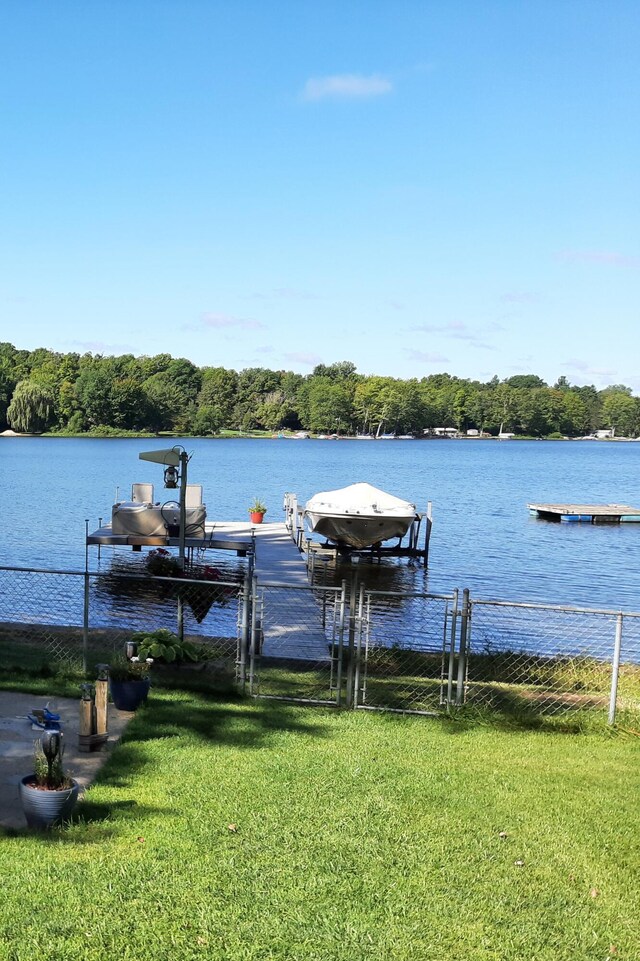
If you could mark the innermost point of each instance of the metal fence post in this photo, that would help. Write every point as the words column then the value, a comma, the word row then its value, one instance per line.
column 352, row 635
column 85, row 625
column 85, row 611
column 452, row 649
column 244, row 634
column 358, row 651
column 615, row 670
column 462, row 660
column 254, row 620
column 341, row 620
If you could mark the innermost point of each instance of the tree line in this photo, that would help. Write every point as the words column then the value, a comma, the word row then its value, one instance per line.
column 41, row 390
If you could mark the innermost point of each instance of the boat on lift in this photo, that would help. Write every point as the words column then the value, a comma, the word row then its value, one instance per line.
column 358, row 516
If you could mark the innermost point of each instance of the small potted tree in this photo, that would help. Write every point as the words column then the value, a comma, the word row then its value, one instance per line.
column 48, row 796
column 257, row 511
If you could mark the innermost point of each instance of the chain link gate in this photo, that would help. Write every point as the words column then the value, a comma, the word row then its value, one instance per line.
column 295, row 643
column 410, row 663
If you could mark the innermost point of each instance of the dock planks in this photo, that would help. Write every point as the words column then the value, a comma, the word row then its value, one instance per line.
column 292, row 627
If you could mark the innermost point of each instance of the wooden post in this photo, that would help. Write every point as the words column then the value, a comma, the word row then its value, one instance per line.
column 85, row 724
column 101, row 702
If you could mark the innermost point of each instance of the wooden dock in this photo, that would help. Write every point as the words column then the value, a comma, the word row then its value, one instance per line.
column 218, row 536
column 292, row 624
column 291, row 628
column 586, row 513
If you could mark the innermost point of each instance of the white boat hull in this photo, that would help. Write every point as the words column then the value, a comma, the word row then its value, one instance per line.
column 359, row 516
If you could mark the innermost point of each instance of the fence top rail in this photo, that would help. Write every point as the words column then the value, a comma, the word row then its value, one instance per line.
column 183, row 581
column 562, row 608
column 124, row 576
column 41, row 570
column 421, row 594
column 322, row 588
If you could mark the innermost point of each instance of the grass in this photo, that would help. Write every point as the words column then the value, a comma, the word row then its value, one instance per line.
column 255, row 830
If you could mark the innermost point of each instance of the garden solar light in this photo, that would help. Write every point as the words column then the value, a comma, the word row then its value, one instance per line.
column 51, row 748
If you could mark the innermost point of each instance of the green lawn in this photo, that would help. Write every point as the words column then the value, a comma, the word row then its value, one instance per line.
column 353, row 836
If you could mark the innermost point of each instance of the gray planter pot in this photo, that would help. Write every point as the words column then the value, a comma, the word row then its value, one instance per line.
column 44, row 809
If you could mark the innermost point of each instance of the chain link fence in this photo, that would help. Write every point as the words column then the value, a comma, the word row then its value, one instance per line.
column 535, row 659
column 296, row 643
column 70, row 621
column 340, row 646
column 405, row 649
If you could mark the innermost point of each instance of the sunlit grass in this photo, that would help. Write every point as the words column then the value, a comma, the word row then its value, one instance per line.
column 263, row 831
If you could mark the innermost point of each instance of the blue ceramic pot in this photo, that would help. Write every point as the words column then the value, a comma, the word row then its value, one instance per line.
column 129, row 695
column 44, row 809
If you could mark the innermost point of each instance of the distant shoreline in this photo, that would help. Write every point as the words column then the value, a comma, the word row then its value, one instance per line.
column 268, row 435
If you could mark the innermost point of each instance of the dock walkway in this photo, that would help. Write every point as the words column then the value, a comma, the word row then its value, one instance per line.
column 292, row 627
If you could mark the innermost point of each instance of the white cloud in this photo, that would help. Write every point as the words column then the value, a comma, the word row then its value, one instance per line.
column 426, row 357
column 346, row 86
column 99, row 347
column 520, row 297
column 457, row 331
column 607, row 258
column 226, row 321
column 299, row 357
column 584, row 368
column 283, row 293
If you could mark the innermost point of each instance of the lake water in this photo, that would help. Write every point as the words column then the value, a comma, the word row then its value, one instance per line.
column 483, row 537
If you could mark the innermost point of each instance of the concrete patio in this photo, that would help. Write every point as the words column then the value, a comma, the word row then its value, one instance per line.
column 17, row 740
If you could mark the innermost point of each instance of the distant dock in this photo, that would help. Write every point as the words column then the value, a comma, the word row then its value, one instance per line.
column 586, row 513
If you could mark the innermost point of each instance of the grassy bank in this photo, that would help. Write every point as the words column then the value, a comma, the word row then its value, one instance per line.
column 259, row 831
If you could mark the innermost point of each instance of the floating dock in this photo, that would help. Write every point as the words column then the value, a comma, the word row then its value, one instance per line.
column 586, row 513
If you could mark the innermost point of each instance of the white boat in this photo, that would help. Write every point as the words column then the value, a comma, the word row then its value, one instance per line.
column 358, row 516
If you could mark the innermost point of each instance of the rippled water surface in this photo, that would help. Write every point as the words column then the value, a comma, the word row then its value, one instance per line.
column 483, row 537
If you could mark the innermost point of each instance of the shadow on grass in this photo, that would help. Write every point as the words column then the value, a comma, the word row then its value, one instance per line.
column 96, row 817
column 235, row 722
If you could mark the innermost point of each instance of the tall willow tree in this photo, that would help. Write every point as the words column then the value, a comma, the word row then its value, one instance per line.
column 31, row 407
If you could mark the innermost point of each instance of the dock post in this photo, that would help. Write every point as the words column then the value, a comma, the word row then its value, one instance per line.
column 615, row 671
column 427, row 533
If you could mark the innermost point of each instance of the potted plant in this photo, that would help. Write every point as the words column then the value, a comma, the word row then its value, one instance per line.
column 257, row 511
column 48, row 796
column 129, row 682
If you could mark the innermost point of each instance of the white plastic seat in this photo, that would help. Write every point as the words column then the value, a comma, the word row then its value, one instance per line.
column 142, row 493
column 193, row 495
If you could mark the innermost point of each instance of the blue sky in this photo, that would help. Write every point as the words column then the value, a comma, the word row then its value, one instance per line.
column 412, row 186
